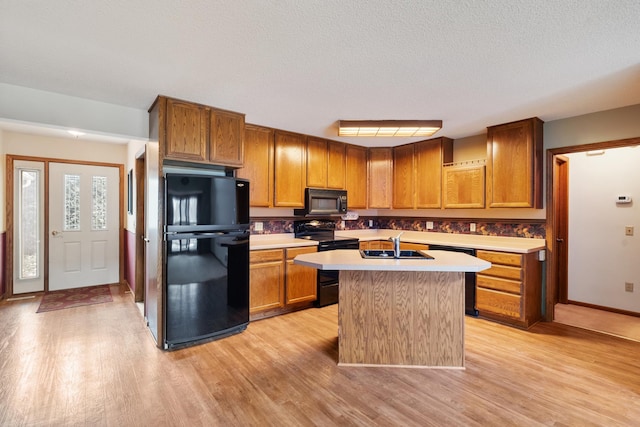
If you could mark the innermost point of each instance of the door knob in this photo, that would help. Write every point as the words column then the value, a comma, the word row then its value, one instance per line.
column 560, row 240
column 55, row 232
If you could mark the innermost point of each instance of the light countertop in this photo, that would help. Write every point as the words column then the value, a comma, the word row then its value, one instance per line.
column 495, row 243
column 350, row 259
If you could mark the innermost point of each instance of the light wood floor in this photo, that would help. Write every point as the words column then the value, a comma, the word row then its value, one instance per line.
column 97, row 365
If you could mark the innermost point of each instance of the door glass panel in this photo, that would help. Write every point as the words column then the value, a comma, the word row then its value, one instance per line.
column 29, row 227
column 71, row 202
column 99, row 203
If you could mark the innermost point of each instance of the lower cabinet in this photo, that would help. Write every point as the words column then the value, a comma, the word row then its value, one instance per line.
column 386, row 244
column 510, row 291
column 277, row 285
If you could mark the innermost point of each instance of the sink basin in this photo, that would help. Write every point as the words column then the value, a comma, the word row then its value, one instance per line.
column 386, row 254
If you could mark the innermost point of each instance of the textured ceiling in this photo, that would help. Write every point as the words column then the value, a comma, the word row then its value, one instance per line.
column 301, row 65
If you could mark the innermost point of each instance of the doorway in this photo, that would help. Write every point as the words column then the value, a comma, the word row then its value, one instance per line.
column 557, row 218
column 66, row 224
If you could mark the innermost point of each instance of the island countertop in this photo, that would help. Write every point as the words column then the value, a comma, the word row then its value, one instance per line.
column 350, row 259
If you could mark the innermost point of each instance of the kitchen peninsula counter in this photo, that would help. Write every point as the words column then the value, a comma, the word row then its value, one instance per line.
column 399, row 312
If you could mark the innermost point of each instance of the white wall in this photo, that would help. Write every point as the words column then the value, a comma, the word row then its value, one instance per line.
column 601, row 257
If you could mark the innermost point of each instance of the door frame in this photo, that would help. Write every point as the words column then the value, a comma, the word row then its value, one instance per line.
column 9, row 212
column 554, row 258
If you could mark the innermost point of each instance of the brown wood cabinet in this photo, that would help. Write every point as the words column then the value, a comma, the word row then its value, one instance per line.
column 202, row 134
column 385, row 244
column 266, row 278
column 404, row 177
column 356, row 176
column 226, row 138
column 463, row 187
column 514, row 164
column 429, row 156
column 325, row 163
column 290, row 172
column 186, row 131
column 258, row 165
column 301, row 281
column 510, row 291
column 380, row 178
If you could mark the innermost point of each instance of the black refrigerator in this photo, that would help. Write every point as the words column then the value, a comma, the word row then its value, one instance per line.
column 206, row 238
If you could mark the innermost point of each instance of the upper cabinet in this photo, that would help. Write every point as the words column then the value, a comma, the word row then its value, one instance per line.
column 514, row 165
column 417, row 173
column 226, row 138
column 289, row 169
column 198, row 133
column 325, row 163
column 258, row 165
column 380, row 176
column 186, row 131
column 356, row 176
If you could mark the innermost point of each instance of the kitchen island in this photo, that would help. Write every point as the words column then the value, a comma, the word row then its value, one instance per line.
column 399, row 312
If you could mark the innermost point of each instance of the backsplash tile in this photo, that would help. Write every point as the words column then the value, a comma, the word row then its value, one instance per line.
column 506, row 228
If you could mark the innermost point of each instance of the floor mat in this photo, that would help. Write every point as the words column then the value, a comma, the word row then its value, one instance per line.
column 67, row 298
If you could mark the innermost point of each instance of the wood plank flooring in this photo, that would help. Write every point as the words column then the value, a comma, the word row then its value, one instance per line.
column 98, row 365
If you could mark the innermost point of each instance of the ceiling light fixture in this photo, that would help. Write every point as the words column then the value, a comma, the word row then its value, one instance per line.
column 76, row 133
column 396, row 128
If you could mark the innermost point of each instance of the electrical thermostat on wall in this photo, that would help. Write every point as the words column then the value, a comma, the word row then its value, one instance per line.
column 623, row 199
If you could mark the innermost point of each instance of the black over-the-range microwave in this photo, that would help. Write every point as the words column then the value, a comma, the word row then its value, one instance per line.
column 321, row 201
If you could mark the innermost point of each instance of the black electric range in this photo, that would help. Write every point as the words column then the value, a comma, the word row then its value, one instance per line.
column 323, row 231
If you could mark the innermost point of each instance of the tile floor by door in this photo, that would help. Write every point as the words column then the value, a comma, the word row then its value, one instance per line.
column 616, row 324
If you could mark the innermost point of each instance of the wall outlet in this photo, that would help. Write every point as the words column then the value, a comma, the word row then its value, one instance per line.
column 628, row 230
column 429, row 225
column 472, row 227
column 628, row 287
column 370, row 223
column 258, row 226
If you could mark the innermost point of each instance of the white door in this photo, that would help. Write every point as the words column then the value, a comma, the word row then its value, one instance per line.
column 28, row 230
column 84, row 225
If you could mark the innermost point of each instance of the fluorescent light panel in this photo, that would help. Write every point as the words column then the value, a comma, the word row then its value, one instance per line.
column 406, row 128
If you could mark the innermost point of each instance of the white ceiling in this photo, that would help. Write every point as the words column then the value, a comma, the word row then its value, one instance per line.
column 301, row 65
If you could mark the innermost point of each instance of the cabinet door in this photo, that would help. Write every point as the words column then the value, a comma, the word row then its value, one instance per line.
column 316, row 163
column 514, row 164
column 258, row 165
column 403, row 177
column 335, row 165
column 429, row 156
column 226, row 137
column 380, row 167
column 464, row 187
column 289, row 169
column 267, row 286
column 301, row 281
column 356, row 176
column 186, row 131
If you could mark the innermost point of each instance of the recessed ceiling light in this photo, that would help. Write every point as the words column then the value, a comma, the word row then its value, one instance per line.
column 404, row 128
column 76, row 133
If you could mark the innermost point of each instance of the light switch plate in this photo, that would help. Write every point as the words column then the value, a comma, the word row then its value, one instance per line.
column 257, row 226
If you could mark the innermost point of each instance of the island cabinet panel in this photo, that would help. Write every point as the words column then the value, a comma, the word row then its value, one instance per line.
column 226, row 138
column 514, row 164
column 356, row 176
column 266, row 278
column 429, row 157
column 406, row 318
column 510, row 291
column 380, row 178
column 404, row 175
column 301, row 281
column 186, row 131
column 289, row 169
column 258, row 166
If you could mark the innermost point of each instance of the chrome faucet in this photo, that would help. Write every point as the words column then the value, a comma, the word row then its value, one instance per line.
column 396, row 245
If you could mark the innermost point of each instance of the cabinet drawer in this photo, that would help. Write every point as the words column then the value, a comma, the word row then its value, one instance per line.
column 504, row 271
column 292, row 252
column 498, row 284
column 498, row 302
column 413, row 246
column 503, row 258
column 265, row 255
